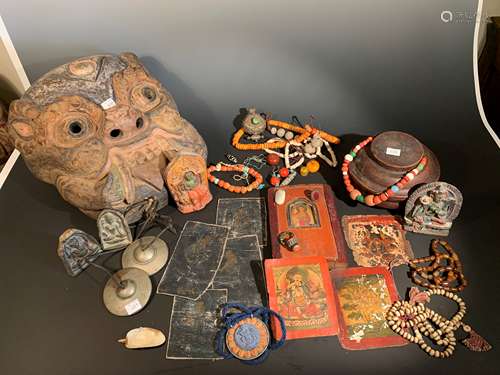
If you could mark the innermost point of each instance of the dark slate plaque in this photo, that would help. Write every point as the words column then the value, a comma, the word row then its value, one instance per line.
column 195, row 260
column 193, row 326
column 244, row 216
column 241, row 271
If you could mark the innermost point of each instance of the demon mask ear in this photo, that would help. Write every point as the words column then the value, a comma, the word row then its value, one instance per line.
column 21, row 116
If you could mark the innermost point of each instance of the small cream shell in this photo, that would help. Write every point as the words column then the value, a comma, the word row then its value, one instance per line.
column 143, row 337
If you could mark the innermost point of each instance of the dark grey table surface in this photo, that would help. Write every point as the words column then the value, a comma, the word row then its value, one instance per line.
column 54, row 324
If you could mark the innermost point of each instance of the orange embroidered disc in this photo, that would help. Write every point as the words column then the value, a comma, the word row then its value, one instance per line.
column 247, row 339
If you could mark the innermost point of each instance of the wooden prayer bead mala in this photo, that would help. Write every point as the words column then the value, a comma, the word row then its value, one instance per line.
column 403, row 317
column 221, row 167
column 373, row 200
column 436, row 274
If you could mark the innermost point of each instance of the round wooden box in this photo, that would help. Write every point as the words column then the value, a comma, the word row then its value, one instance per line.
column 388, row 158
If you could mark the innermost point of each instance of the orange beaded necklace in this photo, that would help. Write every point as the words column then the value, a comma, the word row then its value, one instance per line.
column 304, row 133
column 221, row 167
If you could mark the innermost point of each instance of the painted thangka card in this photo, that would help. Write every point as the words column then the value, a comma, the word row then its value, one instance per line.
column 364, row 294
column 376, row 240
column 241, row 271
column 300, row 290
column 195, row 260
column 193, row 326
column 244, row 216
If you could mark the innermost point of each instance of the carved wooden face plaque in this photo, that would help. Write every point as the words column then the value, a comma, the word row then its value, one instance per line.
column 108, row 135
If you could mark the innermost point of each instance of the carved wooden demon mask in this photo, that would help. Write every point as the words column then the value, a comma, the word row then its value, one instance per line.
column 109, row 135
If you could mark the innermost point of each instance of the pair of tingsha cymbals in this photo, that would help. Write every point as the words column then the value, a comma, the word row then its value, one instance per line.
column 129, row 290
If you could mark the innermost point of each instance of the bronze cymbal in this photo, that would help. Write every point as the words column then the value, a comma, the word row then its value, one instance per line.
column 146, row 254
column 130, row 295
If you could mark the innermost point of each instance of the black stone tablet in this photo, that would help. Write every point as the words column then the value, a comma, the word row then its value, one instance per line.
column 195, row 260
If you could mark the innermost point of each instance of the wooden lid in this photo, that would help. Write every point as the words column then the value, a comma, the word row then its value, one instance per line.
column 396, row 150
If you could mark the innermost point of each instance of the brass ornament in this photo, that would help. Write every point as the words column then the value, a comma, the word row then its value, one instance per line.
column 148, row 253
column 127, row 292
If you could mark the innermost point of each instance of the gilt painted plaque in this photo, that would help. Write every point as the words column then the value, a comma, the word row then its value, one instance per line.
column 376, row 240
column 364, row 294
column 300, row 291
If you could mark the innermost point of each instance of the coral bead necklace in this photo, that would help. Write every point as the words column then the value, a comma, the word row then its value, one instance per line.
column 303, row 134
column 222, row 167
column 374, row 199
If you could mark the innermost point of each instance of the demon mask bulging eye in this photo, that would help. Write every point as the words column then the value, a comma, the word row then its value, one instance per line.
column 76, row 128
column 73, row 130
column 145, row 97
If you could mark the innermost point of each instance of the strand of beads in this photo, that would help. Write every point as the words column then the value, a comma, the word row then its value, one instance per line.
column 374, row 199
column 287, row 156
column 404, row 317
column 222, row 167
column 444, row 269
column 303, row 134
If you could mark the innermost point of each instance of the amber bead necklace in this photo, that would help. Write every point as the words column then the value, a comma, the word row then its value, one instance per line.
column 371, row 199
column 437, row 274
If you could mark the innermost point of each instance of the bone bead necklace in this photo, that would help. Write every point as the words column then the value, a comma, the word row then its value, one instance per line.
column 413, row 320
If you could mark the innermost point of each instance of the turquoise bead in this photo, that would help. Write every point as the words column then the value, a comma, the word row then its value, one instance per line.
column 245, row 170
column 353, row 154
column 360, row 198
column 394, row 188
column 420, row 167
column 255, row 120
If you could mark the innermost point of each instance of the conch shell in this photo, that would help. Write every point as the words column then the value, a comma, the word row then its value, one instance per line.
column 143, row 337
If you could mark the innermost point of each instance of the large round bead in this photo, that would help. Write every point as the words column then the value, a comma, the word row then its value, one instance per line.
column 369, row 200
column 273, row 159
column 354, row 194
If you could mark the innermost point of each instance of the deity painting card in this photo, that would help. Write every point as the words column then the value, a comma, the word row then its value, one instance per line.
column 363, row 296
column 300, row 290
column 309, row 214
column 377, row 240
